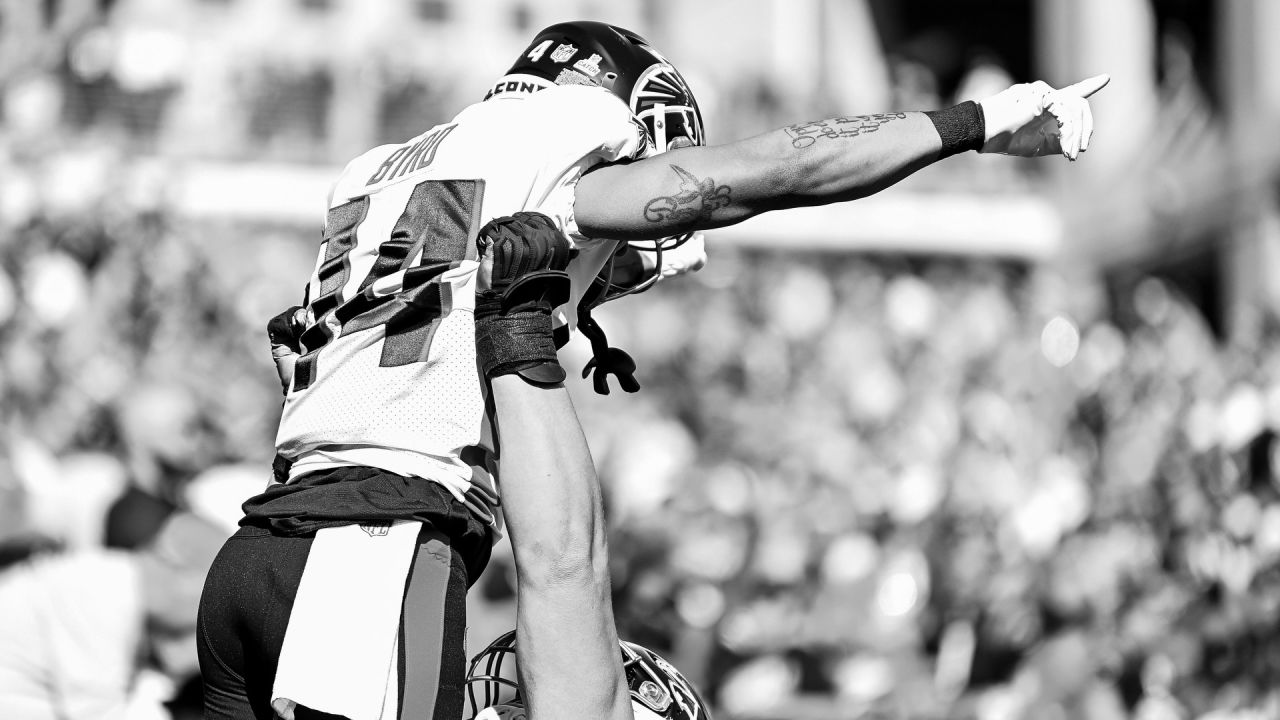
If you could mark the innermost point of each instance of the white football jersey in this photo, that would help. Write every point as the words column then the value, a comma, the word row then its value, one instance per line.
column 388, row 375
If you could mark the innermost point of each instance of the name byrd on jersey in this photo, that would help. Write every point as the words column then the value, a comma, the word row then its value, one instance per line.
column 410, row 158
column 388, row 375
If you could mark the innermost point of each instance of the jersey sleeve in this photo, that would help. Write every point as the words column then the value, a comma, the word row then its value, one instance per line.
column 597, row 127
column 353, row 180
column 603, row 116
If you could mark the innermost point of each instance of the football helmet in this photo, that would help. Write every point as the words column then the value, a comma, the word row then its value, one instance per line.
column 658, row 690
column 595, row 53
column 622, row 62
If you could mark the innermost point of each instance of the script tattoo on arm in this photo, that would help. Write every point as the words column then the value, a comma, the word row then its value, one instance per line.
column 805, row 134
column 696, row 200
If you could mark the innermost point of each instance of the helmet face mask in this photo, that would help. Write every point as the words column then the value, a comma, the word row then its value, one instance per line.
column 658, row 690
column 491, row 677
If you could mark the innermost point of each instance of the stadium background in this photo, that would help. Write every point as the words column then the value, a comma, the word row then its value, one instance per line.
column 997, row 444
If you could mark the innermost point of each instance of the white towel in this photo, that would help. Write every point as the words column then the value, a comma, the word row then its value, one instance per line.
column 339, row 652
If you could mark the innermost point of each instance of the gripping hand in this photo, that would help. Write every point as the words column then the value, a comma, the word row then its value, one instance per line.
column 284, row 331
column 524, row 257
column 1034, row 120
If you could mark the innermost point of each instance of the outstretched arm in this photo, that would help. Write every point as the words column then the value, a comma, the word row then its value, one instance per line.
column 708, row 187
column 821, row 162
column 569, row 661
column 567, row 650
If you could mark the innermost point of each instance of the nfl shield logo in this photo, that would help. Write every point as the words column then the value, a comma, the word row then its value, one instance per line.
column 564, row 53
column 377, row 529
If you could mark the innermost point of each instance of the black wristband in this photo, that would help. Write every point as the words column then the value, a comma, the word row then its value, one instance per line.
column 961, row 127
column 519, row 342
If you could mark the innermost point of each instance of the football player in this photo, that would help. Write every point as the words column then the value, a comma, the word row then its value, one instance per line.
column 385, row 423
column 656, row 688
column 87, row 633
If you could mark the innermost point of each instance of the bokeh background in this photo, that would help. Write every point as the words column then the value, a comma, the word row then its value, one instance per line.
column 997, row 444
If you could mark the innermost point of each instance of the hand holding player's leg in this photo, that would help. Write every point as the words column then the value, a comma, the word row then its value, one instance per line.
column 523, row 279
column 284, row 331
column 569, row 661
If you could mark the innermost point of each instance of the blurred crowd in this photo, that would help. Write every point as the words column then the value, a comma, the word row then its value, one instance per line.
column 945, row 488
column 130, row 350
column 852, row 486
column 870, row 486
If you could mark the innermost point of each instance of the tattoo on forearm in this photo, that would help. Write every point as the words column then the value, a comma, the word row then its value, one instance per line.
column 696, row 200
column 805, row 134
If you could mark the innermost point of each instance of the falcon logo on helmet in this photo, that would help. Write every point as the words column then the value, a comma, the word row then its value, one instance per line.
column 663, row 102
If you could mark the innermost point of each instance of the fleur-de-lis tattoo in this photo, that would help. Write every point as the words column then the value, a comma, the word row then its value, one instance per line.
column 696, row 200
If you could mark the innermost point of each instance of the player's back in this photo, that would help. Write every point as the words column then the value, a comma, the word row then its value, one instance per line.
column 388, row 375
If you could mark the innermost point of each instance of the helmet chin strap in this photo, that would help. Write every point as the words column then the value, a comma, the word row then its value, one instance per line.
column 605, row 360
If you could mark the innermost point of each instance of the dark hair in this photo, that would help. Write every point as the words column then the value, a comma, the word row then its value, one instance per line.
column 21, row 548
column 135, row 518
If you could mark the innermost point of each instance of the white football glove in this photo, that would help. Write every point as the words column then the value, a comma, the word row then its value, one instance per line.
column 502, row 712
column 1034, row 120
column 688, row 257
